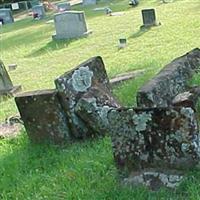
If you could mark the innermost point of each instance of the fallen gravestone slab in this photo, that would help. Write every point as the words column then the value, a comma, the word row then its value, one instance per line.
column 170, row 81
column 126, row 76
column 6, row 86
column 155, row 142
column 43, row 116
column 81, row 82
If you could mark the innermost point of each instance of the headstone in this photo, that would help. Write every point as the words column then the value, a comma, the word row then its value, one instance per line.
column 43, row 116
column 89, row 2
column 6, row 16
column 154, row 146
column 63, row 6
column 122, row 43
column 6, row 86
column 85, row 96
column 149, row 17
column 70, row 24
column 12, row 67
column 170, row 81
column 38, row 11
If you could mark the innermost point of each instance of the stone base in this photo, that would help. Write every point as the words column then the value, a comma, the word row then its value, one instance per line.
column 146, row 26
column 11, row 92
column 56, row 37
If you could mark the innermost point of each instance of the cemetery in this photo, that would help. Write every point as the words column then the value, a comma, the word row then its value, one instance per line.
column 105, row 108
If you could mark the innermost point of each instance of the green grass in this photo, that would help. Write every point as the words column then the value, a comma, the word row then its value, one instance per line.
column 86, row 170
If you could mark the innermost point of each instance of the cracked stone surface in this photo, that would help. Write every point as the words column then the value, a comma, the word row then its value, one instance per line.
column 158, row 138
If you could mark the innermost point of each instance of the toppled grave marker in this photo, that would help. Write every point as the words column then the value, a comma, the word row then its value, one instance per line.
column 154, row 144
column 159, row 140
column 89, row 78
column 170, row 81
column 6, row 86
column 43, row 116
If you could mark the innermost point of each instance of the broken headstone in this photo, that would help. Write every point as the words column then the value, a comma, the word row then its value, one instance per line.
column 90, row 82
column 163, row 141
column 170, row 81
column 43, row 116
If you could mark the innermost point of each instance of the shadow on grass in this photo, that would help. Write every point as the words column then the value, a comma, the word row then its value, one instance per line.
column 139, row 33
column 53, row 45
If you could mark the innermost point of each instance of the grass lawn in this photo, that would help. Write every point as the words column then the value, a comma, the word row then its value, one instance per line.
column 86, row 170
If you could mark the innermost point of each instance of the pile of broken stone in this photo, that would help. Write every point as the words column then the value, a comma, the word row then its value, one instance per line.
column 153, row 144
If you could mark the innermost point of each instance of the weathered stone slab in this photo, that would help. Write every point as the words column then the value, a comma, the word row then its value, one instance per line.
column 6, row 16
column 162, row 140
column 6, row 86
column 170, row 81
column 43, row 116
column 93, row 108
column 74, row 85
column 70, row 24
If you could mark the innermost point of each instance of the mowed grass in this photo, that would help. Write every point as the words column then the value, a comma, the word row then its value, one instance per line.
column 86, row 170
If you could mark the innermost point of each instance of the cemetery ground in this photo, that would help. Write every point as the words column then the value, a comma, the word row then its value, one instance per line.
column 86, row 170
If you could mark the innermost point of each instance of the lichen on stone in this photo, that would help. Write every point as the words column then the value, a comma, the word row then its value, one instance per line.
column 140, row 120
column 81, row 79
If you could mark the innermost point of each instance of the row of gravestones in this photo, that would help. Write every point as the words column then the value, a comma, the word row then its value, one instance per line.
column 72, row 24
column 153, row 144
